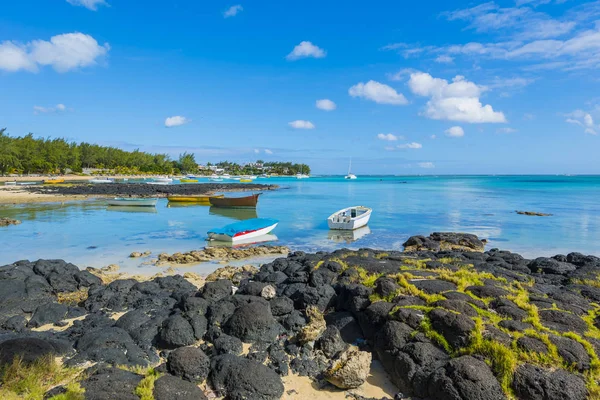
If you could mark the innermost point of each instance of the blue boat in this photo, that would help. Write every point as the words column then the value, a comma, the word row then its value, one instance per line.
column 243, row 230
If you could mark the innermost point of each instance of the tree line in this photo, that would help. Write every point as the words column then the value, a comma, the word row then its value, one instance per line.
column 29, row 155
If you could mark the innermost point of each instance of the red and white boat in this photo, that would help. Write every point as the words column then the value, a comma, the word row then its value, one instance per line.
column 243, row 230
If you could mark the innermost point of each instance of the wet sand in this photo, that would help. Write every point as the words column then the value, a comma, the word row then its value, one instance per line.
column 17, row 195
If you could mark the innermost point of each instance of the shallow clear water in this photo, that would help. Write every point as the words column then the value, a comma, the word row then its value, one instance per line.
column 89, row 234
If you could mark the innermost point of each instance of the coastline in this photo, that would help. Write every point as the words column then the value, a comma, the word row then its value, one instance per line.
column 482, row 324
column 74, row 192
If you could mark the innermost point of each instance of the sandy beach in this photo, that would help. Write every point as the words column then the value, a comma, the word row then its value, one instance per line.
column 68, row 178
column 17, row 195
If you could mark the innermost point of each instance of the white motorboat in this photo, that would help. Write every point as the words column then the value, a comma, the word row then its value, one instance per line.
column 132, row 201
column 163, row 179
column 10, row 183
column 226, row 176
column 349, row 218
column 100, row 180
column 158, row 183
column 350, row 174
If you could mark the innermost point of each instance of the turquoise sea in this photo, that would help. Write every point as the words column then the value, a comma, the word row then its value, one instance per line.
column 88, row 234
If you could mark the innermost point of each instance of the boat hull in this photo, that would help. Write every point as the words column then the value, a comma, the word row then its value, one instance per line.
column 125, row 202
column 53, row 181
column 246, row 237
column 336, row 222
column 184, row 180
column 193, row 199
column 235, row 202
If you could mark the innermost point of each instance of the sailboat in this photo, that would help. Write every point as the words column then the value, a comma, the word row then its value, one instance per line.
column 300, row 175
column 350, row 174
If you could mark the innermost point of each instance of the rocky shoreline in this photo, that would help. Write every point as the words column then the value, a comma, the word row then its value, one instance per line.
column 143, row 190
column 446, row 320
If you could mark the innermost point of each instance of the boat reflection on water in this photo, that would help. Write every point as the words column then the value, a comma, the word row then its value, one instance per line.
column 243, row 243
column 239, row 214
column 132, row 209
column 173, row 204
column 348, row 236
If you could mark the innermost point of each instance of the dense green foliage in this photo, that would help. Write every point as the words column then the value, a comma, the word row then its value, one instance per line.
column 260, row 167
column 29, row 155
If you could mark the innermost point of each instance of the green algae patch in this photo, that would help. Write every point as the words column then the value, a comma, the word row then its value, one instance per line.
column 21, row 380
column 145, row 389
column 434, row 335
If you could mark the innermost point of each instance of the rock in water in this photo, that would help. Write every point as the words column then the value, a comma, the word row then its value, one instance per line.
column 440, row 241
column 9, row 221
column 350, row 370
column 240, row 379
column 533, row 213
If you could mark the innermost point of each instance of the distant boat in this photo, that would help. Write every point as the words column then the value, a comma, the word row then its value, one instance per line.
column 132, row 202
column 193, row 199
column 243, row 230
column 10, row 183
column 300, row 175
column 265, row 176
column 235, row 202
column 215, row 179
column 350, row 174
column 226, row 176
column 188, row 180
column 349, row 218
column 158, row 183
column 54, row 181
column 163, row 179
column 245, row 180
column 26, row 183
column 100, row 180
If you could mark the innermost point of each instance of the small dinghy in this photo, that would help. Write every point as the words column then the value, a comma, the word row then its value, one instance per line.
column 243, row 230
column 235, row 202
column 349, row 218
column 194, row 199
column 132, row 202
column 10, row 183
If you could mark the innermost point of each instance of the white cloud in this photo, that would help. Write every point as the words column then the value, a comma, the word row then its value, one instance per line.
column 176, row 120
column 326, row 104
column 267, row 151
column 455, row 131
column 45, row 110
column 444, row 59
column 433, row 136
column 256, row 151
column 301, row 124
column 412, row 145
column 583, row 119
column 387, row 136
column 400, row 75
column 63, row 52
column 528, row 116
column 523, row 22
column 506, row 130
column 304, row 50
column 427, row 164
column 377, row 92
column 456, row 101
column 233, row 11
column 89, row 4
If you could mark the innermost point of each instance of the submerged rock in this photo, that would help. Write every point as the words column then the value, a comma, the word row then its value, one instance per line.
column 221, row 253
column 8, row 221
column 533, row 213
column 440, row 241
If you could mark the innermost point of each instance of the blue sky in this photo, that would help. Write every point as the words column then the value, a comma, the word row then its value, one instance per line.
column 438, row 87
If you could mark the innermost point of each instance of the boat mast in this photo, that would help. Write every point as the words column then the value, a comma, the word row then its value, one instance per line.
column 350, row 166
